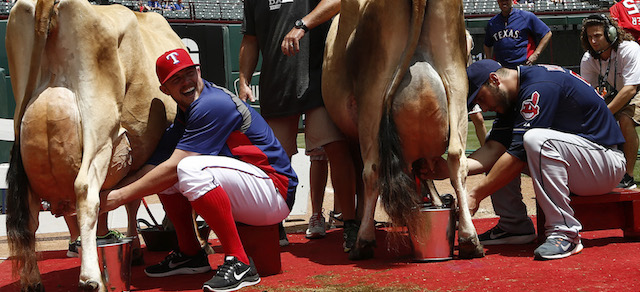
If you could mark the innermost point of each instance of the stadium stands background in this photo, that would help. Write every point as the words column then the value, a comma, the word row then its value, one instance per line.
column 563, row 16
column 211, row 31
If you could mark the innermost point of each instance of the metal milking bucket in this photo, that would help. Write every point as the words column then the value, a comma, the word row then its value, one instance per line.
column 434, row 241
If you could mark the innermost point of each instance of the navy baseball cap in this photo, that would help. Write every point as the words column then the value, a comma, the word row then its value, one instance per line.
column 478, row 74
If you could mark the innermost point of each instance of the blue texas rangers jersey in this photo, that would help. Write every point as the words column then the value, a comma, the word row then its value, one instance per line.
column 555, row 98
column 218, row 123
column 514, row 38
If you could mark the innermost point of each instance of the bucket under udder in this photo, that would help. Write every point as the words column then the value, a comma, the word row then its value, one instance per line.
column 115, row 264
column 435, row 241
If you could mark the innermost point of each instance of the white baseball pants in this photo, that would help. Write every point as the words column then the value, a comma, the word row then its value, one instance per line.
column 254, row 198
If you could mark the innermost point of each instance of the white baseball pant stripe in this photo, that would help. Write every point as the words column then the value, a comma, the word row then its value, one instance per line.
column 253, row 196
column 562, row 163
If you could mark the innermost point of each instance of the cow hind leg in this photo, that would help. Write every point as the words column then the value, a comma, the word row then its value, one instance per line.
column 87, row 188
column 366, row 242
column 468, row 242
column 90, row 277
column 469, row 245
column 446, row 43
column 363, row 250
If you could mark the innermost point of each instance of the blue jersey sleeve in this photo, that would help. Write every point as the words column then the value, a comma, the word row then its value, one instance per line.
column 538, row 28
column 168, row 142
column 502, row 129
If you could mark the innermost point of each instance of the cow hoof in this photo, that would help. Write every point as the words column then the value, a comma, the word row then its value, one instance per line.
column 88, row 286
column 34, row 288
column 363, row 250
column 137, row 257
column 470, row 248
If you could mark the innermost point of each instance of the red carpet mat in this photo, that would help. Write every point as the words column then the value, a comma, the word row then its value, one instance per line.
column 607, row 263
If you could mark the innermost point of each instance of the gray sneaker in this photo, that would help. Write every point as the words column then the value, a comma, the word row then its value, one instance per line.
column 316, row 227
column 557, row 248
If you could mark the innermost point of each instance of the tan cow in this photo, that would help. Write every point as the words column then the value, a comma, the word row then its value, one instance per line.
column 89, row 111
column 401, row 63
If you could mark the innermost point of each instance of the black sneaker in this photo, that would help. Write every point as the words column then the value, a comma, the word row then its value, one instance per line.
column 557, row 248
column 177, row 263
column 72, row 252
column 498, row 236
column 233, row 275
column 350, row 234
column 627, row 182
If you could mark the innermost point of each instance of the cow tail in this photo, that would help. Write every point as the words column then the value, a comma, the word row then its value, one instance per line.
column 20, row 237
column 397, row 188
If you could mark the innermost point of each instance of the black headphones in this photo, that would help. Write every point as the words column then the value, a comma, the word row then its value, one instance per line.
column 610, row 31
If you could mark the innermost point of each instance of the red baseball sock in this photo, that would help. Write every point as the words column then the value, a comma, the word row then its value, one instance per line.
column 177, row 207
column 215, row 208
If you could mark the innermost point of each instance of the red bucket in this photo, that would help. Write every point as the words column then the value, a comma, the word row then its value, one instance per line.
column 262, row 244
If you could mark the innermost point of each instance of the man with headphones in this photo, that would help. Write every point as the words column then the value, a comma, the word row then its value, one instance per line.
column 611, row 64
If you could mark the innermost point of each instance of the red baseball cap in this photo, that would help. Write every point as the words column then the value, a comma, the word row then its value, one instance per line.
column 171, row 62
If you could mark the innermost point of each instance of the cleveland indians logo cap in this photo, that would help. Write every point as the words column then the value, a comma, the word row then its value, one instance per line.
column 478, row 73
column 171, row 62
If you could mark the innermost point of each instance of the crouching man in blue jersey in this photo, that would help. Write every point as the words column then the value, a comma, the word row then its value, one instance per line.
column 219, row 158
column 551, row 121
